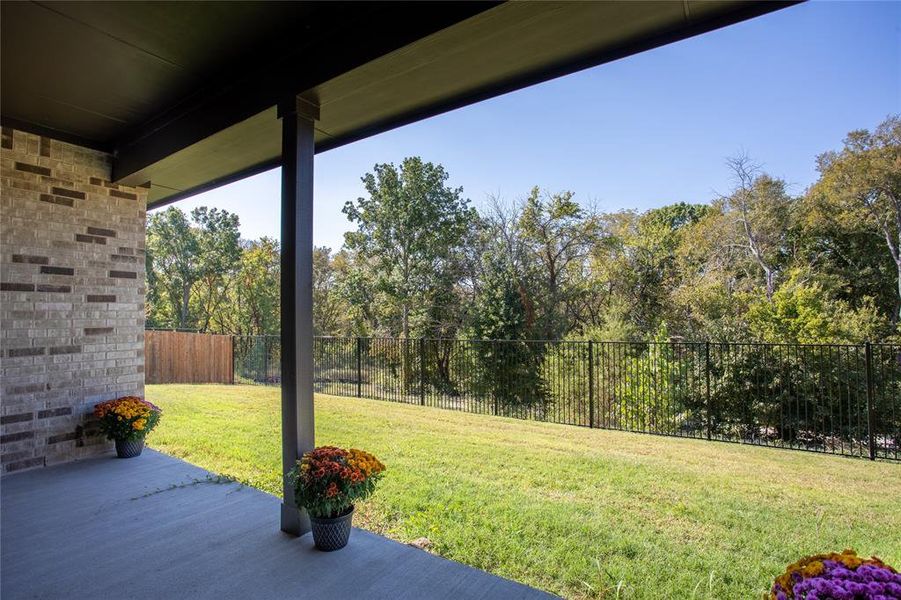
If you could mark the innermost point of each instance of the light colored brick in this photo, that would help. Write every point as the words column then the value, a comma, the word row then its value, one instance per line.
column 74, row 370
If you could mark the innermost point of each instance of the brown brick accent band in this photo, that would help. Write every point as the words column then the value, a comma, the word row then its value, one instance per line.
column 19, row 418
column 126, row 195
column 62, row 437
column 101, row 231
column 16, row 287
column 30, row 388
column 16, row 437
column 57, row 270
column 89, row 239
column 30, row 259
column 55, row 289
column 33, row 169
column 57, row 200
column 54, row 412
column 123, row 274
column 57, row 350
column 60, row 191
column 97, row 330
column 17, row 352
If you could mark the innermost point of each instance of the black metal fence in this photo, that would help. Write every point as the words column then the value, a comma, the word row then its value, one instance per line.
column 841, row 399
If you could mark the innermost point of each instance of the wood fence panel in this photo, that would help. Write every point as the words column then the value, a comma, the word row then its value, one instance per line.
column 182, row 357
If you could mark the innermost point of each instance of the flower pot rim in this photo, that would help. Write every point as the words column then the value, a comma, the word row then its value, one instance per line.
column 129, row 448
column 343, row 515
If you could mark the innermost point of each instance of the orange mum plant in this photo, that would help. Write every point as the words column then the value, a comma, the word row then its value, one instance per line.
column 328, row 480
column 127, row 418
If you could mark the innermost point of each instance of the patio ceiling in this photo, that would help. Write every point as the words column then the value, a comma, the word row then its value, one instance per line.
column 185, row 95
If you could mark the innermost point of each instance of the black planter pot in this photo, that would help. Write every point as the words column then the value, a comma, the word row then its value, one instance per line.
column 129, row 448
column 332, row 534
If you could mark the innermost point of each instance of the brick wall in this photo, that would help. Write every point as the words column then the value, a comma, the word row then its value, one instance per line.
column 71, row 297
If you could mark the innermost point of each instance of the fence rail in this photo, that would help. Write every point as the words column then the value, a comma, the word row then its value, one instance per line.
column 841, row 399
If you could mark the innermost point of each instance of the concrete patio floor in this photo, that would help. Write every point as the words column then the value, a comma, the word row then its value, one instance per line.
column 157, row 527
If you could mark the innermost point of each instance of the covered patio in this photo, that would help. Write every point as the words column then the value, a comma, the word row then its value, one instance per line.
column 110, row 109
column 159, row 527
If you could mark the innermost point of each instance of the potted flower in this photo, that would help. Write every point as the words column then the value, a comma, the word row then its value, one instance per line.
column 837, row 576
column 127, row 420
column 327, row 481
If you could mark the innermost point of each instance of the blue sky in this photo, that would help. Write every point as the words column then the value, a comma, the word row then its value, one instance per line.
column 641, row 132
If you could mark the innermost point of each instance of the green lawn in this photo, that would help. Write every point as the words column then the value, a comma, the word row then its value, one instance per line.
column 578, row 512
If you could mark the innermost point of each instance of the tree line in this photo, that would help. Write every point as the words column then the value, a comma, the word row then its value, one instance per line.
column 755, row 263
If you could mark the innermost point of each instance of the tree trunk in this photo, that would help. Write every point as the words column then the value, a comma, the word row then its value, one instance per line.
column 896, row 316
column 895, row 250
column 406, row 360
column 185, row 299
column 442, row 362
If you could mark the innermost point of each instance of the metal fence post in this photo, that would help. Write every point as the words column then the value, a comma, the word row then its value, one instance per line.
column 422, row 371
column 359, row 367
column 707, row 380
column 590, row 383
column 266, row 359
column 871, row 409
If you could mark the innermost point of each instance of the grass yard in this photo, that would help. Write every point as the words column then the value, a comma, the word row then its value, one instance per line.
column 578, row 512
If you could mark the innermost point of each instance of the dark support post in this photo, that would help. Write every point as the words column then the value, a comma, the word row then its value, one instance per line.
column 871, row 409
column 359, row 367
column 297, row 117
column 422, row 371
column 707, row 378
column 590, row 383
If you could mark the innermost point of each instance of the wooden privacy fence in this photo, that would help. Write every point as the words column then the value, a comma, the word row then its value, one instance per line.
column 181, row 357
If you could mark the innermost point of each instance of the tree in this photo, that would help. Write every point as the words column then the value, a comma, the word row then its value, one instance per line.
column 654, row 244
column 558, row 234
column 638, row 262
column 329, row 307
column 411, row 234
column 755, row 263
column 508, row 365
column 410, row 231
column 254, row 300
column 759, row 209
column 862, row 182
column 218, row 255
column 191, row 261
column 173, row 248
column 154, row 315
column 706, row 300
column 625, row 289
column 804, row 311
column 503, row 246
column 847, row 257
